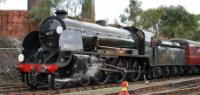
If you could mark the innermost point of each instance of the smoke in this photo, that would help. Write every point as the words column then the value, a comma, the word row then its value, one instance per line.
column 96, row 63
column 91, row 72
column 86, row 67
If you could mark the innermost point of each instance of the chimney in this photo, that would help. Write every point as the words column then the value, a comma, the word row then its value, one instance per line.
column 61, row 13
column 31, row 3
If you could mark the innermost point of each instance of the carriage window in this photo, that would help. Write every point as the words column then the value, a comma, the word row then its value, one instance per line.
column 71, row 40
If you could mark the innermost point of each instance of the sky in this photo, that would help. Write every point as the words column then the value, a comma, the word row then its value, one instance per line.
column 111, row 9
column 14, row 5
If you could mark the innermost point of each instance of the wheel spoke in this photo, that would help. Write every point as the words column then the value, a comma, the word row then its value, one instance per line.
column 138, row 73
column 134, row 76
column 155, row 73
column 122, row 75
column 101, row 77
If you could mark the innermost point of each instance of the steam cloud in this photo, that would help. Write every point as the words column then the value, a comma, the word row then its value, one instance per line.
column 96, row 64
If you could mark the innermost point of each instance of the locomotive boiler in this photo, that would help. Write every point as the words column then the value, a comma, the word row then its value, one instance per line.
column 67, row 51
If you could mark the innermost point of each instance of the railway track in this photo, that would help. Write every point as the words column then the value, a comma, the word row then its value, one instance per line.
column 184, row 87
column 193, row 90
column 194, row 83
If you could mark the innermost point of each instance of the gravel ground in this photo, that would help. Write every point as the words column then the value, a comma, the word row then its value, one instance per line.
column 130, row 87
column 7, row 78
column 106, row 90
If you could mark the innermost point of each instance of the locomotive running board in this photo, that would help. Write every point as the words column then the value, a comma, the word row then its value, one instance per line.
column 113, row 55
column 67, row 80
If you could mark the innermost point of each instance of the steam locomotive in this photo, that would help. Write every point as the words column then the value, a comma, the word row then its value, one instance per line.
column 68, row 51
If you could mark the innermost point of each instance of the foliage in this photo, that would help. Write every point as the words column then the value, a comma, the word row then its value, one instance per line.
column 177, row 22
column 43, row 9
column 123, row 18
column 150, row 17
column 134, row 9
column 40, row 11
column 73, row 7
column 88, row 10
column 172, row 21
column 132, row 12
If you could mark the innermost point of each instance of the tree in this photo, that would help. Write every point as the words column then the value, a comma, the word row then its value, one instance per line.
column 132, row 12
column 43, row 9
column 88, row 10
column 123, row 18
column 151, row 17
column 177, row 22
column 40, row 11
column 172, row 21
column 73, row 7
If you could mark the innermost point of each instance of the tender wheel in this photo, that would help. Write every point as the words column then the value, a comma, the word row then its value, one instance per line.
column 155, row 73
column 174, row 71
column 181, row 71
column 31, row 80
column 160, row 71
column 149, row 74
column 195, row 69
column 187, row 71
column 167, row 72
column 199, row 70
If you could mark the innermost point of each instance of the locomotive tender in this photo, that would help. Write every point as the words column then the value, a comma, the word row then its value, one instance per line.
column 65, row 50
